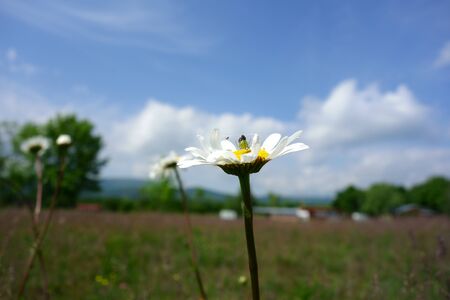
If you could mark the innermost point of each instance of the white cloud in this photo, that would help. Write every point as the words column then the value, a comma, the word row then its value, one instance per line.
column 15, row 64
column 357, row 136
column 159, row 126
column 11, row 54
column 22, row 104
column 360, row 116
column 443, row 59
column 157, row 25
column 401, row 165
column 405, row 165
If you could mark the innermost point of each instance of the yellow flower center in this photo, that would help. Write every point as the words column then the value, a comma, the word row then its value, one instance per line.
column 263, row 153
column 239, row 152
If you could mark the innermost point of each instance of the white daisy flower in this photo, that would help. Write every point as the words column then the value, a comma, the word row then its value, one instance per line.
column 64, row 140
column 162, row 167
column 35, row 145
column 243, row 158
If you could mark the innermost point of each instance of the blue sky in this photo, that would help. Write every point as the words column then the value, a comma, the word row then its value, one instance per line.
column 376, row 72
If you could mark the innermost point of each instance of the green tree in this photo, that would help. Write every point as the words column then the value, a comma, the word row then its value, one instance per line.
column 273, row 200
column 433, row 193
column 160, row 195
column 233, row 202
column 15, row 176
column 349, row 200
column 2, row 152
column 3, row 156
column 83, row 161
column 199, row 194
column 201, row 202
column 382, row 198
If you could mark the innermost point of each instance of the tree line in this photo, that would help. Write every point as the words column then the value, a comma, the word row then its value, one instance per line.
column 384, row 198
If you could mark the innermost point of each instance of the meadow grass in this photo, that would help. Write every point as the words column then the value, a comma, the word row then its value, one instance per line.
column 143, row 256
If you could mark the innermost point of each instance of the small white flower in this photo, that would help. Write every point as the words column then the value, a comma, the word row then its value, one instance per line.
column 162, row 167
column 35, row 145
column 243, row 158
column 64, row 140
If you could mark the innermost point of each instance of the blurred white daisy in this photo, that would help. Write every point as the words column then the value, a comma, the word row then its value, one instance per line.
column 36, row 145
column 241, row 158
column 162, row 167
column 64, row 140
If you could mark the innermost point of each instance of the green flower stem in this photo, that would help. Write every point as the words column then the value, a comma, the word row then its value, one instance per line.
column 36, row 220
column 38, row 206
column 41, row 261
column 34, row 227
column 190, row 239
column 36, row 247
column 244, row 180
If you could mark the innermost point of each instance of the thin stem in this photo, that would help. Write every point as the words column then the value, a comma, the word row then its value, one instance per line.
column 189, row 235
column 36, row 220
column 38, row 206
column 41, row 260
column 244, row 180
column 35, row 230
column 38, row 242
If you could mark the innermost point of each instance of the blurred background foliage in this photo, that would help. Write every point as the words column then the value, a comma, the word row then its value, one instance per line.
column 383, row 198
column 84, row 164
column 162, row 195
column 83, row 161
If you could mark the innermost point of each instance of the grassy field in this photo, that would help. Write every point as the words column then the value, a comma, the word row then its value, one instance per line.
column 143, row 256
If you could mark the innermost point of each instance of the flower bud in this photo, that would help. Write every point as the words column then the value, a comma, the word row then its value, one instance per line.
column 64, row 140
column 36, row 145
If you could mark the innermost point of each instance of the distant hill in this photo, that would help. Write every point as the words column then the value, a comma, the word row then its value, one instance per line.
column 129, row 188
column 123, row 188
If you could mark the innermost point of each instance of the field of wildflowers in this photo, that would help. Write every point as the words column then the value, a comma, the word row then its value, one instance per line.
column 144, row 256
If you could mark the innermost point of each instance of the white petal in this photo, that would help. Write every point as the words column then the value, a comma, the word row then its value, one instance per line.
column 215, row 139
column 255, row 149
column 229, row 157
column 294, row 148
column 221, row 157
column 256, row 145
column 271, row 141
column 249, row 157
column 255, row 140
column 294, row 136
column 227, row 145
column 280, row 147
column 193, row 162
column 203, row 143
column 217, row 156
column 196, row 152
